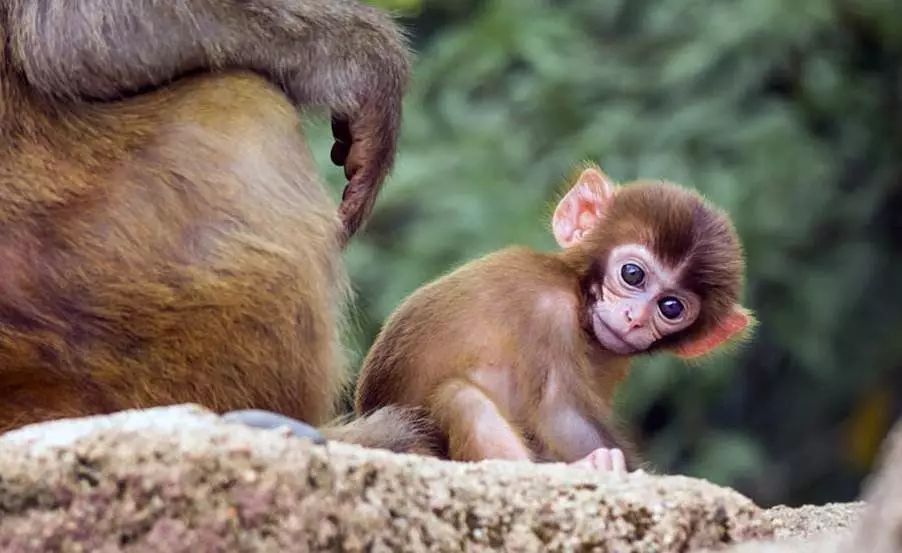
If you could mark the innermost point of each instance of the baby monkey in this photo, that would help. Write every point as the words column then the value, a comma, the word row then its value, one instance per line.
column 517, row 355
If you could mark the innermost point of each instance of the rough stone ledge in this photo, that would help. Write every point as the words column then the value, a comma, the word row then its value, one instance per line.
column 181, row 479
column 807, row 529
column 810, row 521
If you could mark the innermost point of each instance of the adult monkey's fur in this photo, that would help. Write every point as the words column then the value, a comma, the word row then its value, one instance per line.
column 164, row 234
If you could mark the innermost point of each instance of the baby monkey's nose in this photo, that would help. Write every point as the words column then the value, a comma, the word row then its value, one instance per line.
column 635, row 316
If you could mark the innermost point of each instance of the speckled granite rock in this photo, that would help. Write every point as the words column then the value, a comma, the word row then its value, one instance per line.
column 808, row 529
column 825, row 543
column 180, row 479
column 811, row 521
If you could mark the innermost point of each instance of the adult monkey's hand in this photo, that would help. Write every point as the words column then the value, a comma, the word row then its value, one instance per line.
column 366, row 146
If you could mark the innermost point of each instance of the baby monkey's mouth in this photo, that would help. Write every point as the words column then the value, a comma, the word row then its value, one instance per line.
column 608, row 337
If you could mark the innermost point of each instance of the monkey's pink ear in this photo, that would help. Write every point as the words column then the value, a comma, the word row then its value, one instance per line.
column 732, row 327
column 582, row 207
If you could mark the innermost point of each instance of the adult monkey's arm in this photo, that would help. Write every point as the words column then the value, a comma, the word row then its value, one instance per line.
column 339, row 54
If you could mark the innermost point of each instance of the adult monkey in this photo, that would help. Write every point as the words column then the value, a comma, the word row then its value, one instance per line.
column 164, row 235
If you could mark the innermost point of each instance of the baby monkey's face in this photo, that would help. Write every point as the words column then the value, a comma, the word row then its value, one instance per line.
column 638, row 300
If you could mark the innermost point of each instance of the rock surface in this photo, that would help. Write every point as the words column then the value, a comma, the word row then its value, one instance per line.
column 811, row 521
column 180, row 479
column 808, row 529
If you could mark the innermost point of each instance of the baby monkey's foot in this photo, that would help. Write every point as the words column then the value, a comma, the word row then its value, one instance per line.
column 605, row 460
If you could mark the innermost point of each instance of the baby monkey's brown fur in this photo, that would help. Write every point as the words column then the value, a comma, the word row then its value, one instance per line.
column 164, row 234
column 513, row 355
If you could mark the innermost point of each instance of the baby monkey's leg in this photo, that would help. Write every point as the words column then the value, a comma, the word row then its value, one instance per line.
column 581, row 440
column 475, row 426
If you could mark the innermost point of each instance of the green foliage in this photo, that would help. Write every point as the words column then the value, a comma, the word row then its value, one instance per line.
column 398, row 6
column 787, row 114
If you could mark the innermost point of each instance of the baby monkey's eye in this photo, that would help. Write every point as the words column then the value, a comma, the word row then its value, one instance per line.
column 632, row 274
column 670, row 307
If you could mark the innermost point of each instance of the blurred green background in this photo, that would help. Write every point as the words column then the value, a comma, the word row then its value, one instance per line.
column 787, row 114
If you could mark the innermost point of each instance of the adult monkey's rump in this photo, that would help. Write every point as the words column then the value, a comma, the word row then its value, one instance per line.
column 164, row 234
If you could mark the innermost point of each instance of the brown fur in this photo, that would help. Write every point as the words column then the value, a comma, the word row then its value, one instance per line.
column 399, row 429
column 519, row 312
column 340, row 54
column 178, row 245
column 153, row 266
